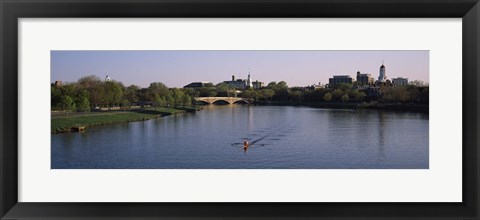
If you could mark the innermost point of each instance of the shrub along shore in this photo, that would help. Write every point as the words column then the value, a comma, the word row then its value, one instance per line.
column 78, row 123
column 409, row 107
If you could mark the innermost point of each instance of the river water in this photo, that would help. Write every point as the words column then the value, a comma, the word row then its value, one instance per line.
column 283, row 137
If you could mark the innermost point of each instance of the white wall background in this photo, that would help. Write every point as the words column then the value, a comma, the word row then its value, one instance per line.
column 441, row 183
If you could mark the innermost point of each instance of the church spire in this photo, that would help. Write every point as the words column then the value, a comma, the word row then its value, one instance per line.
column 249, row 80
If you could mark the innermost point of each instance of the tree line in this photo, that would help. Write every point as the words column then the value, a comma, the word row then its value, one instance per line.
column 416, row 92
column 343, row 93
column 90, row 92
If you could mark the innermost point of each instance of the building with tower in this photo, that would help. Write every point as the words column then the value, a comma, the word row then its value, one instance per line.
column 236, row 83
column 107, row 79
column 249, row 81
column 382, row 77
column 242, row 84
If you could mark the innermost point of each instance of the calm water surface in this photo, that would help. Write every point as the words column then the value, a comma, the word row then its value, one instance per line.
column 283, row 137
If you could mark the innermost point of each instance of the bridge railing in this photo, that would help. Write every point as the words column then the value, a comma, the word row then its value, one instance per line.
column 230, row 100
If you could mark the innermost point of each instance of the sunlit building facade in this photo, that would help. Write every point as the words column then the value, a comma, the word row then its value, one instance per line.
column 364, row 79
column 340, row 79
column 400, row 81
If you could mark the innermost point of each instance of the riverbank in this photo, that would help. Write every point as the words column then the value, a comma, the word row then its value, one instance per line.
column 78, row 123
column 363, row 105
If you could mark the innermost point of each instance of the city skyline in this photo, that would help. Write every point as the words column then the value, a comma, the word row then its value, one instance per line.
column 179, row 68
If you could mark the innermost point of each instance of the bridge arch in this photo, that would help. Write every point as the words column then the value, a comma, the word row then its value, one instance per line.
column 240, row 102
column 221, row 102
column 202, row 102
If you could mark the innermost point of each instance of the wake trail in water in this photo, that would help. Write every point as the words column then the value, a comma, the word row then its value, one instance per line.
column 261, row 138
column 255, row 142
column 267, row 135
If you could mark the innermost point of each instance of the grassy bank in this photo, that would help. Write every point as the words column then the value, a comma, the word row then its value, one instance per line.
column 71, row 123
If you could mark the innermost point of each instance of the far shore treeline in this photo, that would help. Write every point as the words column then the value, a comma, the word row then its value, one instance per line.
column 90, row 93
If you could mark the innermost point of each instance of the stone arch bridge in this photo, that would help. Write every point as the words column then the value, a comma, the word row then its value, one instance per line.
column 230, row 100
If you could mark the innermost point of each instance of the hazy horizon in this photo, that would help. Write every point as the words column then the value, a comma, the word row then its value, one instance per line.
column 179, row 68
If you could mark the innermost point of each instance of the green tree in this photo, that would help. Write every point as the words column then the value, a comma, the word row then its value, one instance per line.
column 163, row 101
column 344, row 86
column 395, row 94
column 142, row 95
column 327, row 97
column 267, row 94
column 84, row 104
column 178, row 96
column 414, row 93
column 68, row 103
column 154, row 92
column 222, row 89
column 69, row 89
column 296, row 96
column 423, row 97
column 387, row 95
column 88, row 81
column 282, row 85
column 113, row 93
column 157, row 88
column 125, row 104
column 170, row 100
column 55, row 97
column 272, row 86
column 207, row 92
column 345, row 98
column 337, row 94
column 402, row 94
column 158, row 101
column 315, row 95
column 281, row 94
column 360, row 96
column 95, row 88
column 280, row 89
column 191, row 92
column 187, row 100
column 251, row 94
column 131, row 93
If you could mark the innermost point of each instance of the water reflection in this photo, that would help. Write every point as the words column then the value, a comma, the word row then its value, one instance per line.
column 381, row 133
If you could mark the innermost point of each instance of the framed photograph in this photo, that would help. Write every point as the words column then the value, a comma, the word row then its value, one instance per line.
column 225, row 109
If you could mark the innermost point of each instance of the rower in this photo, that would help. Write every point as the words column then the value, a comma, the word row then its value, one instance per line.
column 245, row 144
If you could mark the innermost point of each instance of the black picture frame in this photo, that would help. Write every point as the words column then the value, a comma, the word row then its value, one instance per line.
column 12, row 10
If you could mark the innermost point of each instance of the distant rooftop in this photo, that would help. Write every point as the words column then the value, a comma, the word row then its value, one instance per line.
column 363, row 74
column 198, row 84
column 342, row 76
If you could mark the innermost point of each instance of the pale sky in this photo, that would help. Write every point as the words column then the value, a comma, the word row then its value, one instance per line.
column 179, row 68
